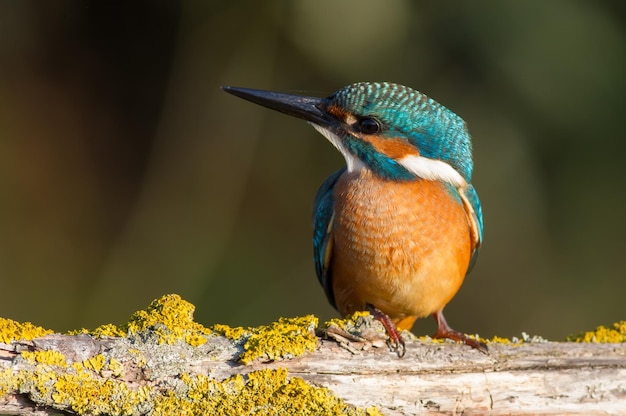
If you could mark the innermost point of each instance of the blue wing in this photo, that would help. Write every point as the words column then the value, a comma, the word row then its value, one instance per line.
column 323, row 214
column 476, row 216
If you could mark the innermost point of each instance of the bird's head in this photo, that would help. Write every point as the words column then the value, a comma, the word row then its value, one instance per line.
column 396, row 132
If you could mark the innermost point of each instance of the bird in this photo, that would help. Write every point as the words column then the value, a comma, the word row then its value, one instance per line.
column 400, row 226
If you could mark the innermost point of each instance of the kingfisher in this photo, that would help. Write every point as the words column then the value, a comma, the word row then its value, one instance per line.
column 400, row 226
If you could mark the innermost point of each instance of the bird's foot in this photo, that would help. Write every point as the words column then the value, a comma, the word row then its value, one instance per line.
column 444, row 331
column 395, row 339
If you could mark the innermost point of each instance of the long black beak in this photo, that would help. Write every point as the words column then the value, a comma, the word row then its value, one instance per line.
column 306, row 108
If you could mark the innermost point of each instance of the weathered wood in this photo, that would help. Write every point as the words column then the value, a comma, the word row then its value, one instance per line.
column 433, row 378
column 546, row 378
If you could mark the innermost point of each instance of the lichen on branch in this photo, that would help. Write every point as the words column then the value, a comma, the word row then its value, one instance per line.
column 145, row 366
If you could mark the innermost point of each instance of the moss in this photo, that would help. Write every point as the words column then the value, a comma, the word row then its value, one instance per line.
column 615, row 334
column 268, row 392
column 14, row 331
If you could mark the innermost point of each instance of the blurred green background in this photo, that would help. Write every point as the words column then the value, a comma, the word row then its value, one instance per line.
column 126, row 174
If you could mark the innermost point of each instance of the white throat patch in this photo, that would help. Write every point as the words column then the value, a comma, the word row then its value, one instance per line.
column 353, row 163
column 422, row 167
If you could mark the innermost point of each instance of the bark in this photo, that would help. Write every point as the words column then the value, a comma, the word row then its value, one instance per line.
column 432, row 378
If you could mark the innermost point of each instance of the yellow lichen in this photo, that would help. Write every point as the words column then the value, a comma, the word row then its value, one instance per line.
column 8, row 381
column 38, row 384
column 76, row 389
column 169, row 317
column 101, row 365
column 348, row 322
column 85, row 394
column 234, row 334
column 268, row 392
column 140, row 359
column 195, row 340
column 95, row 363
column 11, row 330
column 285, row 338
column 615, row 334
column 106, row 330
column 427, row 339
column 502, row 340
column 48, row 357
column 115, row 367
column 91, row 386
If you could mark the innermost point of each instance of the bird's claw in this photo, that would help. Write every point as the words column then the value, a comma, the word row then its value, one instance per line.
column 396, row 343
column 444, row 331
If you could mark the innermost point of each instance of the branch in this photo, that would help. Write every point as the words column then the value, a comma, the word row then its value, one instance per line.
column 140, row 373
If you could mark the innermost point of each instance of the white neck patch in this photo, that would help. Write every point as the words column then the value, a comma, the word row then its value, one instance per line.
column 353, row 163
column 422, row 167
column 431, row 169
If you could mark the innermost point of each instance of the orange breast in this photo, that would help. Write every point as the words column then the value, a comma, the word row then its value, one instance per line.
column 402, row 246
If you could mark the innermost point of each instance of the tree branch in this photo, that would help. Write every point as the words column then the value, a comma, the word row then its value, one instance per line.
column 141, row 374
column 546, row 378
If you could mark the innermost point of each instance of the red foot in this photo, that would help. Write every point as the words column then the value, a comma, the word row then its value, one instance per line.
column 397, row 343
column 444, row 331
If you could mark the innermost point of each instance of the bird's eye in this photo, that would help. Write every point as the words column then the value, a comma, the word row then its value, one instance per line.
column 369, row 126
